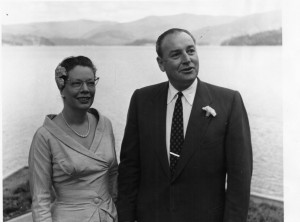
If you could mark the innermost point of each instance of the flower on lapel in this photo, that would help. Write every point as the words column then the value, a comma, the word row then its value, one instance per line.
column 209, row 111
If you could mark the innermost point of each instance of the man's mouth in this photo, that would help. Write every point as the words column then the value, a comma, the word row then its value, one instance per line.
column 187, row 70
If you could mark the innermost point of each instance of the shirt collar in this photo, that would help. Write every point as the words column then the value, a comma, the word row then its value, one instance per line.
column 189, row 93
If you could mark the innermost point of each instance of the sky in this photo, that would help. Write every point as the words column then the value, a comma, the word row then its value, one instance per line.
column 14, row 12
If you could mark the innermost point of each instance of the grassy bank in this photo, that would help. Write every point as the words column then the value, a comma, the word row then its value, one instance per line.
column 17, row 201
column 16, row 194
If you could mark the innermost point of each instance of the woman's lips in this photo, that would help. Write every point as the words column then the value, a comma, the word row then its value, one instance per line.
column 84, row 99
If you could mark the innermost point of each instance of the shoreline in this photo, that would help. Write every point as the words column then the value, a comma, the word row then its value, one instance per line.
column 260, row 198
column 17, row 200
column 268, row 198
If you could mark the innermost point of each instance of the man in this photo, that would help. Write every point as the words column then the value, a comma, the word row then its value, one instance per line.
column 182, row 139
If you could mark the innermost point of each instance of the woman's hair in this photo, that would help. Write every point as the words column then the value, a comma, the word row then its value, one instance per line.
column 69, row 63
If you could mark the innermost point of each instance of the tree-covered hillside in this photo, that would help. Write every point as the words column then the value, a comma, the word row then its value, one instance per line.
column 273, row 37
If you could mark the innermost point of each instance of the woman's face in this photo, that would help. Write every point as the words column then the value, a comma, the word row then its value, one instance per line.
column 79, row 91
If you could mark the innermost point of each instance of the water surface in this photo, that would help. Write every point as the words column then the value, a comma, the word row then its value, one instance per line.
column 30, row 93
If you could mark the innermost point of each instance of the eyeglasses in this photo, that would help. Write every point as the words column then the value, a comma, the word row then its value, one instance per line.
column 77, row 84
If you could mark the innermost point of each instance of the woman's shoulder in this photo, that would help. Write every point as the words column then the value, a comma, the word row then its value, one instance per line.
column 43, row 130
column 102, row 119
column 40, row 138
column 98, row 114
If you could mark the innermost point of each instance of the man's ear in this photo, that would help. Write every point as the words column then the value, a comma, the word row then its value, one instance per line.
column 160, row 63
column 62, row 94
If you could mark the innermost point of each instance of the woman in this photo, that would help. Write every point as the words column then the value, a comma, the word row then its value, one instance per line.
column 74, row 153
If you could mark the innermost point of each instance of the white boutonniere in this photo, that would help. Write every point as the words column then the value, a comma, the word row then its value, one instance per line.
column 209, row 111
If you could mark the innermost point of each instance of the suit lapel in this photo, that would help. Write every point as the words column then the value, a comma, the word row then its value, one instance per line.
column 159, row 104
column 197, row 126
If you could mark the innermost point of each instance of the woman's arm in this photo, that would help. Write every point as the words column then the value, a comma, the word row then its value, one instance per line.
column 40, row 172
column 113, row 175
column 113, row 170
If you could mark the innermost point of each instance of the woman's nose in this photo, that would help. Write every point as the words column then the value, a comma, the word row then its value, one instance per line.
column 84, row 87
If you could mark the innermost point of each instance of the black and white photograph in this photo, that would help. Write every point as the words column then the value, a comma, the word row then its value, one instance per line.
column 137, row 111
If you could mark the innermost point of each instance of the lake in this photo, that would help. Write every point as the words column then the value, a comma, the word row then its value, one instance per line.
column 29, row 93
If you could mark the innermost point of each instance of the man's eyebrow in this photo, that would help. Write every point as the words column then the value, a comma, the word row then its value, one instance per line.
column 191, row 46
column 178, row 50
column 174, row 51
column 76, row 79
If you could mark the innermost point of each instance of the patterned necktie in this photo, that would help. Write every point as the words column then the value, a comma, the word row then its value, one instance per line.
column 177, row 137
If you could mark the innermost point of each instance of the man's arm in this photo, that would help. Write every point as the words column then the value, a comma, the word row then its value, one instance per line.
column 129, row 167
column 238, row 162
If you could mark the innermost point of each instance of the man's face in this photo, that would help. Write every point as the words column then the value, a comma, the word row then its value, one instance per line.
column 179, row 59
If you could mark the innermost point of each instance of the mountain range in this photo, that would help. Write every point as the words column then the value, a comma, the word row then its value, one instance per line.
column 207, row 29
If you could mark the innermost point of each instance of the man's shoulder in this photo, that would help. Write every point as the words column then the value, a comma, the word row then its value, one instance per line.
column 150, row 92
column 152, row 89
column 222, row 95
column 219, row 90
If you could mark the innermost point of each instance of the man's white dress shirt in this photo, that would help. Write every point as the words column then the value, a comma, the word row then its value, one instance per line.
column 187, row 103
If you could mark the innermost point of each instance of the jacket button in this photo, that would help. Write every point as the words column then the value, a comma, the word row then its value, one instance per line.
column 96, row 200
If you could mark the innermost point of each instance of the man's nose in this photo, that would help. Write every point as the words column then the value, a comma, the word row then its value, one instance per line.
column 186, row 58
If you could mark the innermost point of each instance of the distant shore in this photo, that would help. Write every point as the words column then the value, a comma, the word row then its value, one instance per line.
column 17, row 200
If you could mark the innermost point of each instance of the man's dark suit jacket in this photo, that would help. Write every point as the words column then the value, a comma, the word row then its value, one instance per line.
column 213, row 147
